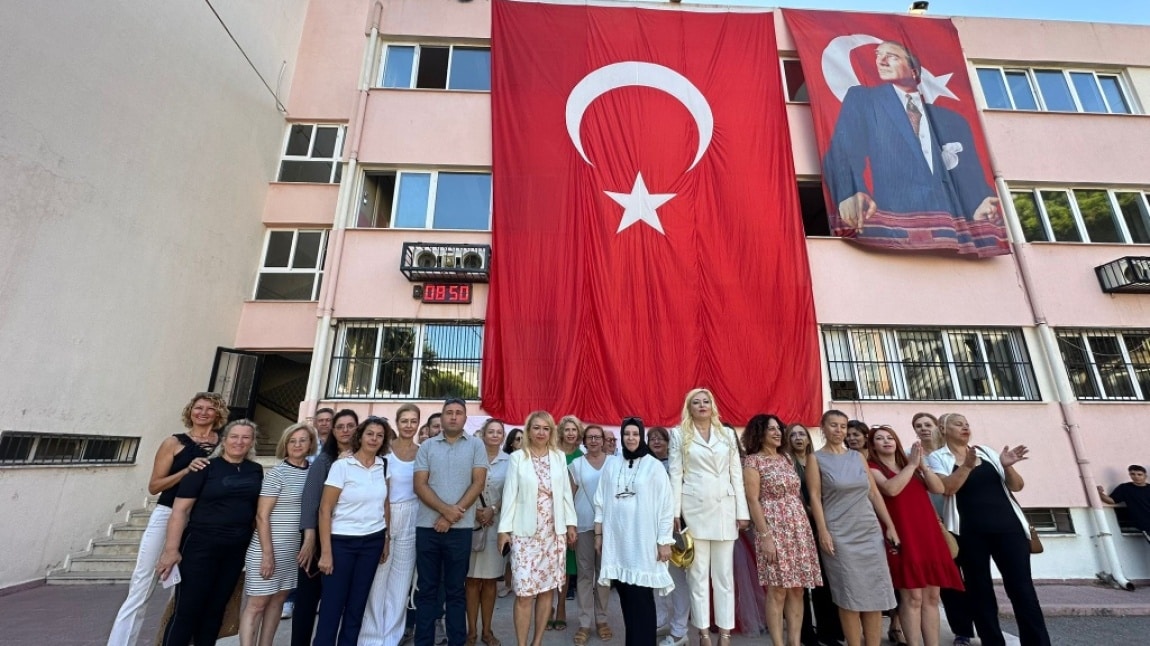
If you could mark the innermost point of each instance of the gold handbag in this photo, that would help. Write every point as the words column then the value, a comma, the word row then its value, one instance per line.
column 683, row 551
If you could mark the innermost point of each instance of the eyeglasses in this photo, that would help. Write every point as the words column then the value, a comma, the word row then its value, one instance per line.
column 588, row 438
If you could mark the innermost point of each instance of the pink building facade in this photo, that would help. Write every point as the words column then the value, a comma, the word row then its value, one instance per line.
column 384, row 188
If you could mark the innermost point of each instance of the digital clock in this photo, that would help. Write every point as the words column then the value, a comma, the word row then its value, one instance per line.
column 447, row 293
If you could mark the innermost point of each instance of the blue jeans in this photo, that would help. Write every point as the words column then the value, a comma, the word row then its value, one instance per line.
column 353, row 560
column 441, row 559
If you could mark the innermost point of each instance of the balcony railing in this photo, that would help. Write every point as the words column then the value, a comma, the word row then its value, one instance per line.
column 437, row 261
column 403, row 378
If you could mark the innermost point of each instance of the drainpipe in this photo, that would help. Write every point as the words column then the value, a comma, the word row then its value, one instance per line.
column 345, row 204
column 1066, row 401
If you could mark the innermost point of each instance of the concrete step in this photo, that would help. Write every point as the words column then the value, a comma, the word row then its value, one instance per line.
column 139, row 517
column 115, row 564
column 88, row 578
column 125, row 532
column 113, row 547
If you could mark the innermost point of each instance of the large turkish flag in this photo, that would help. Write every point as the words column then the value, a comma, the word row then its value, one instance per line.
column 646, row 234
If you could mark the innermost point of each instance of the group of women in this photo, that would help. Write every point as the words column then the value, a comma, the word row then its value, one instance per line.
column 855, row 528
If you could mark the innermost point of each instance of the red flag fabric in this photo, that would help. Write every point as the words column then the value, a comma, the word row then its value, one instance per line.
column 646, row 231
column 905, row 162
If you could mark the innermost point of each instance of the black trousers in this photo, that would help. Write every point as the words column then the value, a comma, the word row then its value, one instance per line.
column 957, row 608
column 1011, row 553
column 828, row 626
column 209, row 571
column 638, row 606
column 309, row 587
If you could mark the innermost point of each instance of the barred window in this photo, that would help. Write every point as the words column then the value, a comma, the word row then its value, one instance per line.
column 18, row 448
column 1050, row 520
column 1107, row 364
column 928, row 364
column 406, row 360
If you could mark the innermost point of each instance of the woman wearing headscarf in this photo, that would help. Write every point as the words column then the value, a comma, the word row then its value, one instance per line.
column 633, row 532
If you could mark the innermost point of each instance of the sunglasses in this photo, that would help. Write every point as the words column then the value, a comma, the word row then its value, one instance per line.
column 454, row 400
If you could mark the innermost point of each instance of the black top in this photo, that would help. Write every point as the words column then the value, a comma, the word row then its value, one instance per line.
column 190, row 451
column 1137, row 501
column 226, row 497
column 982, row 503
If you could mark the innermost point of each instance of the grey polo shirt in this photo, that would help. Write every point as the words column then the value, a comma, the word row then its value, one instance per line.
column 449, row 466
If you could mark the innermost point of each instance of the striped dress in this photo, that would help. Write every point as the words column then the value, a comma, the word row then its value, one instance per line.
column 284, row 483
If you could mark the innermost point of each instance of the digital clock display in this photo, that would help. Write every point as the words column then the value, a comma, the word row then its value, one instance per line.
column 447, row 293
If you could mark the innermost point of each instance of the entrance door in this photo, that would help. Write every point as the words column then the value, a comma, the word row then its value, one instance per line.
column 236, row 375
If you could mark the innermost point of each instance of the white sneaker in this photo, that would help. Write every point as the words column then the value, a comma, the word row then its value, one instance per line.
column 440, row 632
column 289, row 608
column 671, row 640
column 665, row 629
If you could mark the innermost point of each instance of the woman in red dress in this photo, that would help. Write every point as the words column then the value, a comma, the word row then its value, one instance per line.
column 921, row 564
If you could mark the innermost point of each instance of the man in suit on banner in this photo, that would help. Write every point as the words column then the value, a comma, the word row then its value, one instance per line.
column 922, row 158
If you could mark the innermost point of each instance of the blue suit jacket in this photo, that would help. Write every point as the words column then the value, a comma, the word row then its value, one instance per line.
column 873, row 127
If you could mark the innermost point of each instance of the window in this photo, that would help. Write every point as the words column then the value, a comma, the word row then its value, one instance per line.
column 1107, row 364
column 1050, row 520
column 426, row 200
column 927, row 364
column 1053, row 90
column 450, row 67
column 813, row 205
column 1083, row 215
column 795, row 82
column 406, row 360
column 292, row 269
column 311, row 154
column 24, row 449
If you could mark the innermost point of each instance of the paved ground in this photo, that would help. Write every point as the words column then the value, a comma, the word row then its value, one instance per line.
column 1079, row 615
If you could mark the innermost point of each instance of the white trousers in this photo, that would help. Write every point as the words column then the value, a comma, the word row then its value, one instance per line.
column 126, row 629
column 673, row 609
column 383, row 620
column 713, row 566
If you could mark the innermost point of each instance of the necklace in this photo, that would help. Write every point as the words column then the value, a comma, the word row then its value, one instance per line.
column 628, row 485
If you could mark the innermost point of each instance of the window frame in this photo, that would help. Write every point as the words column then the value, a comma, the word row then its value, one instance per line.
column 336, row 389
column 1124, row 88
column 432, row 197
column 336, row 162
column 1123, row 228
column 1100, row 385
column 126, row 452
column 317, row 279
column 892, row 365
column 414, row 75
column 1056, row 521
column 783, row 60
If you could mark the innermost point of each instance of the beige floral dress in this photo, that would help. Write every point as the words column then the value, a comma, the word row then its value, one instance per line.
column 537, row 563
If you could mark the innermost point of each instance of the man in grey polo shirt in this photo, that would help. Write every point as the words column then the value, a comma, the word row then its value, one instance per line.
column 450, row 471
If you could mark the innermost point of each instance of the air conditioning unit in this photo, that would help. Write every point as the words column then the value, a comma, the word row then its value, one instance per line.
column 433, row 261
column 474, row 260
column 430, row 257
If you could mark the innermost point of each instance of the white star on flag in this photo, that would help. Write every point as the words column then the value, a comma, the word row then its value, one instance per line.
column 639, row 205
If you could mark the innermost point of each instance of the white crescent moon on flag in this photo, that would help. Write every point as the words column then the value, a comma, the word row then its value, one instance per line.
column 635, row 73
column 840, row 76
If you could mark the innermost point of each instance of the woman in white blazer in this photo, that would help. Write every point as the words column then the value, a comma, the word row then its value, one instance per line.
column 707, row 492
column 538, row 521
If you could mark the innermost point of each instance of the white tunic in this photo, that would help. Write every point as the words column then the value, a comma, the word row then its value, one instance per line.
column 633, row 503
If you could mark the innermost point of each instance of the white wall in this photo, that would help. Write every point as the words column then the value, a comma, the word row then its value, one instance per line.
column 135, row 153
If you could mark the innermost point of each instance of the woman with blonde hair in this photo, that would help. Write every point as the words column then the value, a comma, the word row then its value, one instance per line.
column 538, row 521
column 179, row 455
column 707, row 494
column 272, row 570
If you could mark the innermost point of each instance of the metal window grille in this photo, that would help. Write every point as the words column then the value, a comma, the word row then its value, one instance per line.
column 18, row 448
column 928, row 364
column 1107, row 364
column 407, row 360
column 1050, row 520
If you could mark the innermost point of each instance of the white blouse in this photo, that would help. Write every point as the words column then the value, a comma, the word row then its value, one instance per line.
column 586, row 478
column 633, row 503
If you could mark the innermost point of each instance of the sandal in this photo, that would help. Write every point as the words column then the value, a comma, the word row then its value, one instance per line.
column 724, row 638
column 550, row 624
column 704, row 637
column 604, row 631
column 489, row 639
column 896, row 637
column 471, row 640
column 559, row 624
column 580, row 636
